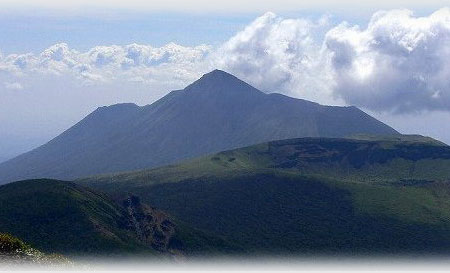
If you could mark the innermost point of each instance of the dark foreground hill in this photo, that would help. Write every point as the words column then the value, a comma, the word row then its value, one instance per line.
column 217, row 112
column 62, row 217
column 309, row 195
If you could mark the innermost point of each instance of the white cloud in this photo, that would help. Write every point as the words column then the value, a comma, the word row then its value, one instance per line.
column 13, row 86
column 279, row 55
column 398, row 63
column 105, row 64
column 273, row 53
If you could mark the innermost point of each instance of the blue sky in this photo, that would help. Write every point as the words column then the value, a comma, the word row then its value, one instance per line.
column 34, row 33
column 35, row 30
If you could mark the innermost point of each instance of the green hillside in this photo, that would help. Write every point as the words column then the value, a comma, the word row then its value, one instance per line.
column 309, row 195
column 62, row 217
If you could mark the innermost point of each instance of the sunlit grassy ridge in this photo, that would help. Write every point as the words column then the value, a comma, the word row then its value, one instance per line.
column 309, row 195
column 390, row 159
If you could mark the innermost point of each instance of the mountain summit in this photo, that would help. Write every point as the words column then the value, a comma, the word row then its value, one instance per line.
column 215, row 113
column 219, row 81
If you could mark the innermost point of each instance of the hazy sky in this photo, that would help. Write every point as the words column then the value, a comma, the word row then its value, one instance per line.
column 59, row 60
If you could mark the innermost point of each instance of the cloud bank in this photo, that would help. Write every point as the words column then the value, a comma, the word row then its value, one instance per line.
column 106, row 64
column 279, row 55
column 398, row 63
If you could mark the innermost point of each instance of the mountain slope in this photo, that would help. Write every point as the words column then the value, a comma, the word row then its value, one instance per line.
column 62, row 217
column 309, row 195
column 58, row 216
column 215, row 113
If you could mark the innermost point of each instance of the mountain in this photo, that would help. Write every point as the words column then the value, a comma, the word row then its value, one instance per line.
column 215, row 113
column 62, row 217
column 366, row 195
column 3, row 158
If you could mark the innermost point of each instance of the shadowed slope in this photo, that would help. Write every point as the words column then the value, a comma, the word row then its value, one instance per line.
column 62, row 217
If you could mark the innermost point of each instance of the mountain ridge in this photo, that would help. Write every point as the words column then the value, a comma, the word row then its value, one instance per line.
column 358, row 196
column 215, row 113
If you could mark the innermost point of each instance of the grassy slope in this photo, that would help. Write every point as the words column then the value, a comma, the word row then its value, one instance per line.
column 64, row 217
column 389, row 160
column 307, row 195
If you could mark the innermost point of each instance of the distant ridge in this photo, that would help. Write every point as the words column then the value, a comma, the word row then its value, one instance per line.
column 215, row 113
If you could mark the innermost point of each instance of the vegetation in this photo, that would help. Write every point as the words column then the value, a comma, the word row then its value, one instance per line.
column 311, row 195
column 62, row 217
column 362, row 195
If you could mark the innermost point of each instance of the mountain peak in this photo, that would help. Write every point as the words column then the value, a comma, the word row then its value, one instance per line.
column 217, row 74
column 219, row 81
column 218, row 77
